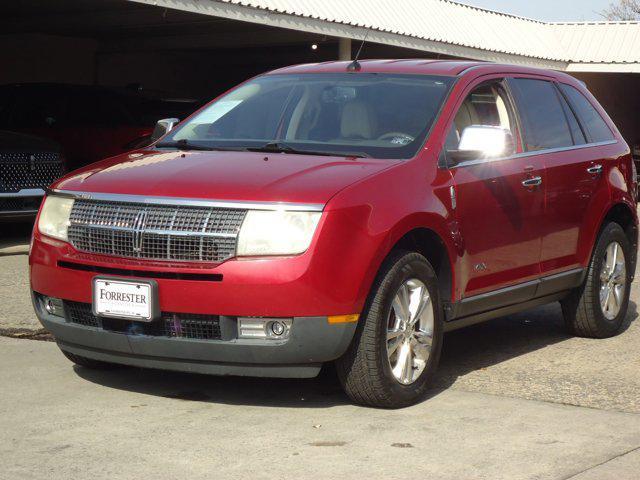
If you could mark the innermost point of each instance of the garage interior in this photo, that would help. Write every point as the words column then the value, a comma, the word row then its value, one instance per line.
column 119, row 43
column 190, row 55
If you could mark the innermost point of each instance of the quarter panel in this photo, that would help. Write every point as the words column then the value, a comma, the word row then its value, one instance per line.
column 414, row 194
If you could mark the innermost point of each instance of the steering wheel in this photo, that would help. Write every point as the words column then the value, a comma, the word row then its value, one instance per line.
column 397, row 135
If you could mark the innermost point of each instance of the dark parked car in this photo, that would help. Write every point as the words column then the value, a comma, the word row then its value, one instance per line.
column 349, row 214
column 89, row 122
column 28, row 165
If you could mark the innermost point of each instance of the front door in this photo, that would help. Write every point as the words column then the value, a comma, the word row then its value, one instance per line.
column 499, row 201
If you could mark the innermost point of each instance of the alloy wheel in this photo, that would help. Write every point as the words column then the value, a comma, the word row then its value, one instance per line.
column 410, row 331
column 613, row 279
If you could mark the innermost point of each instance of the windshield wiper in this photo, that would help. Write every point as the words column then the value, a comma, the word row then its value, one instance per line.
column 184, row 144
column 278, row 147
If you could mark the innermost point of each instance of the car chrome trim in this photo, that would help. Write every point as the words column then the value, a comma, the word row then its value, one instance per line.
column 156, row 231
column 533, row 152
column 24, row 193
column 193, row 202
column 532, row 182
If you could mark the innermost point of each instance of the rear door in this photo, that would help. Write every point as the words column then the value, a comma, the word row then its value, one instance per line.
column 553, row 127
column 499, row 201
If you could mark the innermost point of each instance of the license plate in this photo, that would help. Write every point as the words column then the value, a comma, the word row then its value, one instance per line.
column 132, row 300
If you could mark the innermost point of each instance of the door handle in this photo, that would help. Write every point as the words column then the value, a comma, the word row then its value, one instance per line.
column 532, row 182
column 595, row 169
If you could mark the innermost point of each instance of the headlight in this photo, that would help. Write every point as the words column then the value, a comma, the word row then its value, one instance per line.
column 54, row 217
column 279, row 232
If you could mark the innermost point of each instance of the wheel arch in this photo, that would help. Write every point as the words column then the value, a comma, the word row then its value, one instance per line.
column 429, row 244
column 424, row 235
column 622, row 214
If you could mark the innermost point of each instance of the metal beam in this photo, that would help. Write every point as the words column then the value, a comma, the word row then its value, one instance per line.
column 344, row 49
column 245, row 38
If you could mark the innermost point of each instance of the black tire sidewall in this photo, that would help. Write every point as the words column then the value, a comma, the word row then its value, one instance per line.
column 408, row 266
column 611, row 233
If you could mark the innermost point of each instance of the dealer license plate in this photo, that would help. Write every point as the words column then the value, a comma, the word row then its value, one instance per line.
column 124, row 299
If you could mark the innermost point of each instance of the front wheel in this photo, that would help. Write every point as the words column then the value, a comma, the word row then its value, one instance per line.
column 598, row 308
column 397, row 344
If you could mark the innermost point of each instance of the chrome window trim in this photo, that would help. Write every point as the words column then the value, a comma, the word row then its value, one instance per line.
column 24, row 193
column 191, row 202
column 533, row 152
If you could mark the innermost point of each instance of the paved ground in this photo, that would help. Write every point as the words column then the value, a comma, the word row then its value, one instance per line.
column 515, row 398
column 57, row 422
column 14, row 238
column 16, row 311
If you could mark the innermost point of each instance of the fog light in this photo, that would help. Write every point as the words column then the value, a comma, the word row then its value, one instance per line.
column 53, row 306
column 264, row 328
column 277, row 328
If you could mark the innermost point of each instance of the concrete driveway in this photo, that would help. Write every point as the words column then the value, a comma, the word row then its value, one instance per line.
column 515, row 399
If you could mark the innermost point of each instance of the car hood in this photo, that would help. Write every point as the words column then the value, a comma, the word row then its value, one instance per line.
column 237, row 176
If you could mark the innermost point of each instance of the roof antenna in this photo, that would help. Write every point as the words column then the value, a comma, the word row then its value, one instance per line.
column 355, row 65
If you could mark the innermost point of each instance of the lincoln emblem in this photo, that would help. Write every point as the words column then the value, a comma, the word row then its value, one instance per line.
column 138, row 228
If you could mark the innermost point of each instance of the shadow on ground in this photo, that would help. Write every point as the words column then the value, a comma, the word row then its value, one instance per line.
column 14, row 237
column 465, row 351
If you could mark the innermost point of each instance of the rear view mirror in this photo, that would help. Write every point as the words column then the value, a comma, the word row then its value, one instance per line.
column 483, row 142
column 163, row 127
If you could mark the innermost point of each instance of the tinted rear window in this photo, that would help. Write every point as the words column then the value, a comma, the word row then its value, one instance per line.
column 595, row 126
column 544, row 124
column 576, row 130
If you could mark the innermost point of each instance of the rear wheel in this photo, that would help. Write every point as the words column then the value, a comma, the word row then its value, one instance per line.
column 397, row 344
column 90, row 363
column 598, row 308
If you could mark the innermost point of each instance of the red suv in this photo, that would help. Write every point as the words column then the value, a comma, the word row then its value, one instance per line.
column 343, row 213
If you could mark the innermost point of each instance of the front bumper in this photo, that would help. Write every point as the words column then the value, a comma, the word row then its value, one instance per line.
column 313, row 341
column 20, row 205
column 330, row 279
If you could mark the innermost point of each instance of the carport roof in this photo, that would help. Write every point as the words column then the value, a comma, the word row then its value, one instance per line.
column 442, row 26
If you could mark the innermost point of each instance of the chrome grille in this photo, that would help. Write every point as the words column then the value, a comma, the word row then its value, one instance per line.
column 22, row 170
column 155, row 232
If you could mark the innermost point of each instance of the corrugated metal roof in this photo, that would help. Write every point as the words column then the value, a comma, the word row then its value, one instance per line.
column 436, row 20
column 599, row 42
column 443, row 26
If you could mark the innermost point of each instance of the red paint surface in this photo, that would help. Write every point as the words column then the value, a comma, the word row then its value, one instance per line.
column 369, row 205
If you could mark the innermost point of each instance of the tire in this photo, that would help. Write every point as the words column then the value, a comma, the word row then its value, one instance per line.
column 583, row 313
column 90, row 363
column 365, row 371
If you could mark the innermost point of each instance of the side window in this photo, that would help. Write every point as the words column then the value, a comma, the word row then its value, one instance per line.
column 595, row 126
column 544, row 123
column 488, row 107
column 576, row 130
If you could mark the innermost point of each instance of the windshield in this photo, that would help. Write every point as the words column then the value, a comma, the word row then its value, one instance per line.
column 365, row 114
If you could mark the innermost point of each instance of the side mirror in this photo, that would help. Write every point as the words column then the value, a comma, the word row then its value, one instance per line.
column 483, row 142
column 163, row 127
